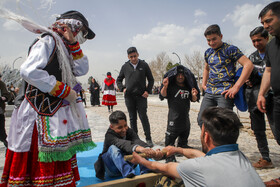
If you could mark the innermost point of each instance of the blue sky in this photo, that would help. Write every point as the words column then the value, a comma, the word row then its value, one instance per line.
column 153, row 26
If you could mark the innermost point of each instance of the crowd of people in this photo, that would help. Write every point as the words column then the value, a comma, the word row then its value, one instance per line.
column 56, row 127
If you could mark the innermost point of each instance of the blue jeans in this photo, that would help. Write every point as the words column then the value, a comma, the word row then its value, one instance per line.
column 213, row 100
column 115, row 164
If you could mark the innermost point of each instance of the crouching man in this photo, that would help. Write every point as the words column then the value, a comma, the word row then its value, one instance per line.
column 121, row 140
column 220, row 164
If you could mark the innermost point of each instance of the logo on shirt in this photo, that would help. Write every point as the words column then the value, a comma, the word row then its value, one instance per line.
column 183, row 93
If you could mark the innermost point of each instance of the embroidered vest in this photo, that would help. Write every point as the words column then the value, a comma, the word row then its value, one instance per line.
column 44, row 103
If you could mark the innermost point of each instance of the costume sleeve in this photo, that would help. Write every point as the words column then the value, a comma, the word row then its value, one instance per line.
column 32, row 69
column 103, row 87
column 80, row 61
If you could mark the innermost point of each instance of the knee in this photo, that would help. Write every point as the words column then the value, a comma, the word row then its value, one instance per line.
column 114, row 150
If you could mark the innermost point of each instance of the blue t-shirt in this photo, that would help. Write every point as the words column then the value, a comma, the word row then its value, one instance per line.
column 222, row 64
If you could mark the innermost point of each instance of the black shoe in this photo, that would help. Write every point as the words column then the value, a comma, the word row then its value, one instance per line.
column 171, row 159
column 130, row 175
column 150, row 143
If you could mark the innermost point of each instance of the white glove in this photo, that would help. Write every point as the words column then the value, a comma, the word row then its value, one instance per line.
column 72, row 96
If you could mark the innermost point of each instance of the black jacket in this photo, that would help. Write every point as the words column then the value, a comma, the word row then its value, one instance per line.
column 124, row 144
column 135, row 80
column 189, row 79
column 251, row 93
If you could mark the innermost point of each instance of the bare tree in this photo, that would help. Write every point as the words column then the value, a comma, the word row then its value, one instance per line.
column 195, row 63
column 158, row 67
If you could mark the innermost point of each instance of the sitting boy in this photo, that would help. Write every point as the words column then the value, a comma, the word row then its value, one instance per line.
column 121, row 140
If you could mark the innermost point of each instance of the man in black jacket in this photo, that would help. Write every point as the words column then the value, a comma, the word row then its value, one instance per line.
column 259, row 37
column 120, row 140
column 135, row 72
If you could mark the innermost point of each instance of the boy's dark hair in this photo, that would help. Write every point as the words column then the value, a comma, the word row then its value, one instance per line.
column 274, row 7
column 116, row 116
column 259, row 30
column 108, row 73
column 212, row 29
column 131, row 50
column 222, row 124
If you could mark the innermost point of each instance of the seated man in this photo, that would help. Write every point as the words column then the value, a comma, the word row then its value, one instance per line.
column 120, row 140
column 222, row 165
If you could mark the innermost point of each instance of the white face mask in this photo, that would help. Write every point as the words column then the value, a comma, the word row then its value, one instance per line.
column 80, row 38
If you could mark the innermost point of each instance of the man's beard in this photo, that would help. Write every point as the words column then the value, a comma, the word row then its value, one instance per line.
column 204, row 147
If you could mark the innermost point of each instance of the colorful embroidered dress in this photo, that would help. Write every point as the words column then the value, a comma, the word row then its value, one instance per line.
column 45, row 133
column 109, row 92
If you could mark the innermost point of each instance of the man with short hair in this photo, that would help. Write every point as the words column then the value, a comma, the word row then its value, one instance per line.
column 270, row 18
column 219, row 71
column 220, row 164
column 120, row 140
column 259, row 37
column 136, row 91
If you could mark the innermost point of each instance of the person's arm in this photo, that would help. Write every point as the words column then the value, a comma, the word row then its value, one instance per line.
column 120, row 79
column 205, row 75
column 265, row 85
column 189, row 153
column 150, row 79
column 5, row 94
column 194, row 93
column 246, row 72
column 163, row 90
column 169, row 169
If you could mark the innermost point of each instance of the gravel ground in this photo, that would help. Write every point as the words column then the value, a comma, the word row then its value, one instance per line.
column 157, row 113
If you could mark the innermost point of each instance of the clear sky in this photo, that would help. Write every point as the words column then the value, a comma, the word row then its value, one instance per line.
column 152, row 26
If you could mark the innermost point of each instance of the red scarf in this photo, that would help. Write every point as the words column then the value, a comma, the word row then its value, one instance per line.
column 109, row 81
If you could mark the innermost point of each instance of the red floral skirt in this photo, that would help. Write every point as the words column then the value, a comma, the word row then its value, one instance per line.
column 109, row 100
column 24, row 169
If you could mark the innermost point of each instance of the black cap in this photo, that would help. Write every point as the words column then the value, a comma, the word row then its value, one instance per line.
column 72, row 14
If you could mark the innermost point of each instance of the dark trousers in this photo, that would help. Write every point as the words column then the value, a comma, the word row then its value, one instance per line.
column 182, row 135
column 3, row 134
column 138, row 104
column 258, row 124
column 213, row 100
column 275, row 127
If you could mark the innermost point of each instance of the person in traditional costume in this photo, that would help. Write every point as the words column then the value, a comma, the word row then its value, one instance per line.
column 50, row 125
column 109, row 92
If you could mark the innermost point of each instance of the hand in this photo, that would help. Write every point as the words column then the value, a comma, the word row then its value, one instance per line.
column 71, row 97
column 3, row 98
column 124, row 90
column 204, row 87
column 261, row 103
column 159, row 154
column 150, row 153
column 145, row 94
column 230, row 93
column 249, row 83
column 171, row 150
column 66, row 32
column 194, row 92
column 165, row 82
column 136, row 158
